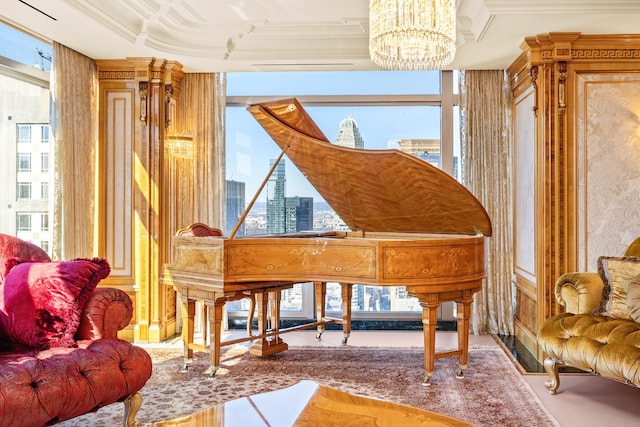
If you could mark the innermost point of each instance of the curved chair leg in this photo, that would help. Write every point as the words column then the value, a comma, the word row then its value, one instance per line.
column 131, row 406
column 551, row 366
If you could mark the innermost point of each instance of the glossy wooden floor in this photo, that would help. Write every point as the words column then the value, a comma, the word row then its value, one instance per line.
column 308, row 404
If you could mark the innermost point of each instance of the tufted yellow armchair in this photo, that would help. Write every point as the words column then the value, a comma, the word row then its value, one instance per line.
column 592, row 334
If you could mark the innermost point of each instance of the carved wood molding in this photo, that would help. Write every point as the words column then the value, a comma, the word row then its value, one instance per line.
column 533, row 74
column 607, row 54
column 142, row 87
column 116, row 75
column 168, row 94
column 562, row 89
column 570, row 47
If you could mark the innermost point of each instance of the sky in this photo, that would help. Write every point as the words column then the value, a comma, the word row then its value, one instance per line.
column 23, row 48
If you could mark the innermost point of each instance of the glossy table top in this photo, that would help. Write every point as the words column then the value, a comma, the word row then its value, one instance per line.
column 309, row 404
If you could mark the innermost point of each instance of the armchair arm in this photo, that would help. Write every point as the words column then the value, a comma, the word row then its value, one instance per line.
column 107, row 311
column 579, row 292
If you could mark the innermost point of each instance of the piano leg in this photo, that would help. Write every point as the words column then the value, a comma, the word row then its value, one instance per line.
column 464, row 314
column 347, row 293
column 215, row 331
column 321, row 301
column 430, row 302
column 188, row 314
column 429, row 324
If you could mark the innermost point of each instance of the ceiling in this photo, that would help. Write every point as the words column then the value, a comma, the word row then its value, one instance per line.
column 278, row 35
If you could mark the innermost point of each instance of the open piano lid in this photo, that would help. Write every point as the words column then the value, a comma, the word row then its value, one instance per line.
column 372, row 190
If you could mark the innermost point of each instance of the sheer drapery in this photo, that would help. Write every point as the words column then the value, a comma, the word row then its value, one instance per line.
column 74, row 126
column 201, row 107
column 486, row 156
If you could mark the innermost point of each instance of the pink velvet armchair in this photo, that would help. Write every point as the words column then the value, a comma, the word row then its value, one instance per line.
column 60, row 356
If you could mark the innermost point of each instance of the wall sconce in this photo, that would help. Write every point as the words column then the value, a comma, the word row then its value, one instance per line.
column 179, row 145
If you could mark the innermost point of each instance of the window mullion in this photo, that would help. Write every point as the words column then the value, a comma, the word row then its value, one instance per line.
column 338, row 100
column 446, row 126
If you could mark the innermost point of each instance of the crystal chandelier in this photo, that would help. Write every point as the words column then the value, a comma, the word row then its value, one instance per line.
column 412, row 34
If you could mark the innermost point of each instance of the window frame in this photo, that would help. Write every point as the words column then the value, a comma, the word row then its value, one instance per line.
column 26, row 159
column 44, row 162
column 25, row 216
column 23, row 128
column 23, row 185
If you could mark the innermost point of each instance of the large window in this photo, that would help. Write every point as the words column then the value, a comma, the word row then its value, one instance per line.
column 25, row 169
column 411, row 111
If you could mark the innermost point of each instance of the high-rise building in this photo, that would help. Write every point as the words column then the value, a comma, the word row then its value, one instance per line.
column 276, row 187
column 425, row 149
column 298, row 214
column 235, row 206
column 27, row 164
column 349, row 135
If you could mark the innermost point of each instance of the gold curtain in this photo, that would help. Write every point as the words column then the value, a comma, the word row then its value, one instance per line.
column 201, row 107
column 74, row 126
column 486, row 157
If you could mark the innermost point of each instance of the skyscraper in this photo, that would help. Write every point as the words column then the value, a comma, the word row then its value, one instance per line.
column 276, row 187
column 426, row 149
column 298, row 214
column 349, row 135
column 235, row 206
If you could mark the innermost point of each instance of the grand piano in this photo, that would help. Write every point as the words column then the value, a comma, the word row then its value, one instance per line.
column 411, row 225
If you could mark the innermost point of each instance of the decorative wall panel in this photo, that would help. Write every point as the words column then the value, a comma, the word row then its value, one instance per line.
column 118, row 140
column 608, row 165
column 524, row 175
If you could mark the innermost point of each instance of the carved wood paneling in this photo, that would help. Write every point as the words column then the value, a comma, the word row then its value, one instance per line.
column 558, row 194
column 527, row 311
column 135, row 96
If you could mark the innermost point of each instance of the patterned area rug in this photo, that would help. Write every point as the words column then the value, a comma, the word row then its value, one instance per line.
column 492, row 393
